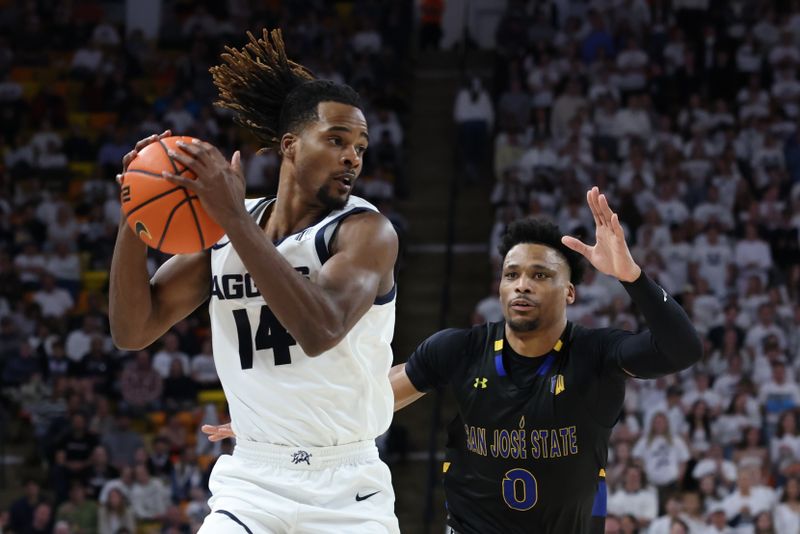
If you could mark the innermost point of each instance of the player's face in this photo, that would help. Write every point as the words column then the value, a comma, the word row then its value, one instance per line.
column 328, row 153
column 534, row 287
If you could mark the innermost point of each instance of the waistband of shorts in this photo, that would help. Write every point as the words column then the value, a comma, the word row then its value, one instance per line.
column 296, row 457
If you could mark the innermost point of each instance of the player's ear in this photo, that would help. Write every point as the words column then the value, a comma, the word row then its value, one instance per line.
column 570, row 293
column 287, row 147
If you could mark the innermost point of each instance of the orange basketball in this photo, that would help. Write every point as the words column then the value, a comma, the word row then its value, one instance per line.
column 165, row 216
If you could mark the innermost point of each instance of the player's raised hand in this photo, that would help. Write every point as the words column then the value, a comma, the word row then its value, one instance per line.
column 610, row 254
column 127, row 158
column 218, row 432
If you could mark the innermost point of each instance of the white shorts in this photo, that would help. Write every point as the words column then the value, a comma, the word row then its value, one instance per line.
column 274, row 489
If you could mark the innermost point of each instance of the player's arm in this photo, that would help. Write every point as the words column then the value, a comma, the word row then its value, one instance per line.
column 140, row 309
column 431, row 365
column 670, row 343
column 319, row 315
column 404, row 391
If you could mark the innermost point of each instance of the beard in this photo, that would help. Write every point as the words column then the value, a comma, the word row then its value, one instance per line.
column 329, row 201
column 523, row 325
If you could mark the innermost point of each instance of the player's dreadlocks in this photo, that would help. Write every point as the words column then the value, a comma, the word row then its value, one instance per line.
column 269, row 93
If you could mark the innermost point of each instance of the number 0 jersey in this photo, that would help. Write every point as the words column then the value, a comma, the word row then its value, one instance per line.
column 277, row 393
column 527, row 451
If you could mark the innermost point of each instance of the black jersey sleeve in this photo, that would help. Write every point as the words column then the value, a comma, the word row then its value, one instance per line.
column 670, row 343
column 434, row 360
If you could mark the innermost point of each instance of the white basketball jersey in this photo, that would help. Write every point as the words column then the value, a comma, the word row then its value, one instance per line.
column 277, row 393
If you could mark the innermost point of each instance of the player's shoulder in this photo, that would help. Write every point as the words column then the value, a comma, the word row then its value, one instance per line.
column 582, row 333
column 471, row 339
column 594, row 339
column 360, row 211
column 361, row 222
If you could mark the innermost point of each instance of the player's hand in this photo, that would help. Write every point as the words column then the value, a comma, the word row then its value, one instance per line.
column 610, row 254
column 127, row 158
column 218, row 432
column 220, row 184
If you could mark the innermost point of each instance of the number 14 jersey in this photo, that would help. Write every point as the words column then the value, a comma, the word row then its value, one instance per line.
column 277, row 393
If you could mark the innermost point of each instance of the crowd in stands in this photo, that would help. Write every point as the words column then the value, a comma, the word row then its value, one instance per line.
column 113, row 435
column 685, row 114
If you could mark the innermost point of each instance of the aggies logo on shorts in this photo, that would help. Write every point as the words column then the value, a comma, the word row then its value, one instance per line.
column 301, row 456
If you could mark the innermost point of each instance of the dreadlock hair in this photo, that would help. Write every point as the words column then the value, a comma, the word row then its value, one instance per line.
column 269, row 93
column 543, row 232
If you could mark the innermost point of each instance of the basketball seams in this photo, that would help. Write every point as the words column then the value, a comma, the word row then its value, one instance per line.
column 153, row 199
column 146, row 173
column 166, row 151
column 169, row 219
column 196, row 221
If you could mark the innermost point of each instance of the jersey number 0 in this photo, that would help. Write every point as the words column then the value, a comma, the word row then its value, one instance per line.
column 270, row 335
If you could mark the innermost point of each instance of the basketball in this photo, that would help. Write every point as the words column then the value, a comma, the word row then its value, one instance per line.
column 165, row 216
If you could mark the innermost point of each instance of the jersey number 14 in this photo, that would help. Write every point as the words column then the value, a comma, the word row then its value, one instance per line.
column 270, row 334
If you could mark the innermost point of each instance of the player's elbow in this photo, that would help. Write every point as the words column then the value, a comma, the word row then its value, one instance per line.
column 318, row 344
column 695, row 349
column 127, row 338
column 689, row 352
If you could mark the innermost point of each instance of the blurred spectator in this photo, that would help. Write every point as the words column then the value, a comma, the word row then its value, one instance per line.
column 663, row 453
column 204, row 372
column 749, row 499
column 474, row 117
column 77, row 446
column 140, row 384
column 170, row 351
column 54, row 301
column 149, row 496
column 42, row 519
column 79, row 341
column 99, row 471
column 122, row 442
column 198, row 508
column 186, row 475
column 634, row 497
column 79, row 513
column 21, row 511
column 115, row 513
column 488, row 309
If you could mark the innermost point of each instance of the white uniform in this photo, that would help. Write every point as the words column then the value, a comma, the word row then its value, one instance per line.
column 305, row 457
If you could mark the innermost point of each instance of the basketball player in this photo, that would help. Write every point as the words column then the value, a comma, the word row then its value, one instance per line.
column 301, row 298
column 538, row 395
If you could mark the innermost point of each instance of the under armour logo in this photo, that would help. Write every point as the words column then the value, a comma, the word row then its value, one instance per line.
column 301, row 456
column 480, row 382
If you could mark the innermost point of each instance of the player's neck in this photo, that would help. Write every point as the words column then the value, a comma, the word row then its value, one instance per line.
column 291, row 212
column 536, row 343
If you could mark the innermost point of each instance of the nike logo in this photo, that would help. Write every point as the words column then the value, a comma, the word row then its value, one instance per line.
column 140, row 229
column 359, row 498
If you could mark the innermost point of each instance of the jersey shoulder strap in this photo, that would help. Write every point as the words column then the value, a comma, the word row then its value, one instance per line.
column 326, row 229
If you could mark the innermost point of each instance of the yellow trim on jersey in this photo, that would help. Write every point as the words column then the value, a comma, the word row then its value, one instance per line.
column 498, row 345
column 558, row 346
column 603, row 473
column 445, row 467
